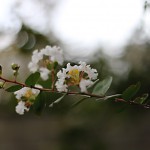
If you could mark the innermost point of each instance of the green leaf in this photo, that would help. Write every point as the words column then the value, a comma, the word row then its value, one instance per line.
column 39, row 104
column 131, row 91
column 102, row 86
column 14, row 88
column 79, row 102
column 58, row 100
column 95, row 82
column 32, row 79
column 142, row 99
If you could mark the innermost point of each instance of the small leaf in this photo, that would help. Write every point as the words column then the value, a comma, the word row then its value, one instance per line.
column 131, row 91
column 79, row 102
column 32, row 79
column 58, row 100
column 39, row 104
column 14, row 88
column 142, row 99
column 102, row 86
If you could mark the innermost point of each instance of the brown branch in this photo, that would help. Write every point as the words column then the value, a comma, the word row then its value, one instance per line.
column 132, row 103
column 76, row 93
column 50, row 90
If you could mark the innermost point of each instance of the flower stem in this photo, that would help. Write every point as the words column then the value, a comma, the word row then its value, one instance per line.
column 53, row 79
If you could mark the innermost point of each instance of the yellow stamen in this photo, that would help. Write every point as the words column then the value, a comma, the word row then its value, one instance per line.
column 74, row 76
column 28, row 94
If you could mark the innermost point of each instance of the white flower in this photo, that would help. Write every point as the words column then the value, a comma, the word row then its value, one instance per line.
column 44, row 72
column 20, row 108
column 41, row 59
column 27, row 92
column 26, row 96
column 55, row 53
column 81, row 76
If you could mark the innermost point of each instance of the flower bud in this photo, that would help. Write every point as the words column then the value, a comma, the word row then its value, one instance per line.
column 1, row 85
column 15, row 66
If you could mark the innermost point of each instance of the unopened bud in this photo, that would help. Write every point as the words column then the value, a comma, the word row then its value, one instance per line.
column 15, row 66
column 1, row 85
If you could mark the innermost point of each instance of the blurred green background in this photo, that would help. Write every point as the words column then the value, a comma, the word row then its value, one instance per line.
column 91, row 125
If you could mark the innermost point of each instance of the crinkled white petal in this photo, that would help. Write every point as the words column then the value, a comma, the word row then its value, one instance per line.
column 82, row 66
column 62, row 74
column 92, row 73
column 69, row 67
column 36, row 91
column 46, row 51
column 37, row 56
column 20, row 108
column 55, row 53
column 33, row 67
column 44, row 73
column 84, row 84
column 61, row 87
column 21, row 92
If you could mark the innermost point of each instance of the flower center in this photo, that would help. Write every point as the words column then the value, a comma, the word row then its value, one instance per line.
column 74, row 77
column 28, row 94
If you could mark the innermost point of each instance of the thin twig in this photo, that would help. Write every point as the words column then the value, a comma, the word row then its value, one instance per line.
column 88, row 95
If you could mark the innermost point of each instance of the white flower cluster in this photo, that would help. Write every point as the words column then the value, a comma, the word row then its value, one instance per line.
column 41, row 59
column 82, row 76
column 25, row 97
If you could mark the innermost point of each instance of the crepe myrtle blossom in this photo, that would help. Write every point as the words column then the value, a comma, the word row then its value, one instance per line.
column 81, row 75
column 26, row 97
column 20, row 108
column 41, row 60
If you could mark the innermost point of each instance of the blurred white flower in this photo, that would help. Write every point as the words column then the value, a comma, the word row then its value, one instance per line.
column 33, row 67
column 82, row 76
column 55, row 53
column 37, row 56
column 20, row 108
column 42, row 59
